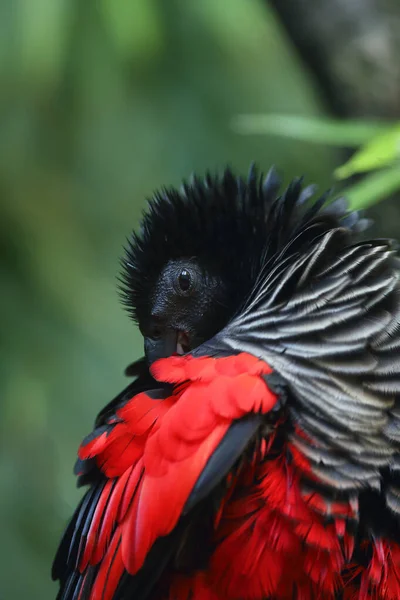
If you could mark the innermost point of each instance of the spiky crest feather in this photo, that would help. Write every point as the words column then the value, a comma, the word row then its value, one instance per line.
column 234, row 225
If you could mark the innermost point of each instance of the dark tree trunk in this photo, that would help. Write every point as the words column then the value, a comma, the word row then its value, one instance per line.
column 352, row 48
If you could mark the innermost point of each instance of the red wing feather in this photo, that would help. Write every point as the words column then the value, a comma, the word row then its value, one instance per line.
column 153, row 452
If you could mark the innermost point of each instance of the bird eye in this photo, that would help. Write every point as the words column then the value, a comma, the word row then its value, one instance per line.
column 184, row 280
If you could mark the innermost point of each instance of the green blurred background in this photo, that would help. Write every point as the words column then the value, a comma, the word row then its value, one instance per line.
column 100, row 103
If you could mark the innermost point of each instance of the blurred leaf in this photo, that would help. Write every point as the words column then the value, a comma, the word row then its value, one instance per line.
column 380, row 152
column 310, row 129
column 373, row 188
column 380, row 147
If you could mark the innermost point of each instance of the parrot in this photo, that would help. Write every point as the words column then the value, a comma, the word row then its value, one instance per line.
column 255, row 454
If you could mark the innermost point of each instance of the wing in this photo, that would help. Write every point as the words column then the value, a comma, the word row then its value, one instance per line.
column 325, row 315
column 158, row 458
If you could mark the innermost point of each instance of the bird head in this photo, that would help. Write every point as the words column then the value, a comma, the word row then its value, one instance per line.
column 194, row 259
column 200, row 252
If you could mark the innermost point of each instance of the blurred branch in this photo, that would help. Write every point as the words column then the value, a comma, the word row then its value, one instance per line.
column 352, row 49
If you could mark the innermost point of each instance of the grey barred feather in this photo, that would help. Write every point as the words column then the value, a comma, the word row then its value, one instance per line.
column 393, row 500
column 324, row 313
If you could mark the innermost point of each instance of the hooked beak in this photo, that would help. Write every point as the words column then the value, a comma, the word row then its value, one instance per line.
column 168, row 343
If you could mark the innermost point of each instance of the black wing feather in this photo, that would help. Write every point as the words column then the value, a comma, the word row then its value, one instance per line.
column 236, row 440
column 68, row 553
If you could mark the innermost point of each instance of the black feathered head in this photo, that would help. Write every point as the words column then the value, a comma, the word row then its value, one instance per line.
column 201, row 250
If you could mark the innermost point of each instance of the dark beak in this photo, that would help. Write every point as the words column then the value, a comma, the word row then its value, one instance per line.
column 160, row 347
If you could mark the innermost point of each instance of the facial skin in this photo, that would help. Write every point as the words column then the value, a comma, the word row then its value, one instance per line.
column 188, row 306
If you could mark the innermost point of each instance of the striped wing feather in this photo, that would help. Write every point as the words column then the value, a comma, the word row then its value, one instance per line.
column 326, row 319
